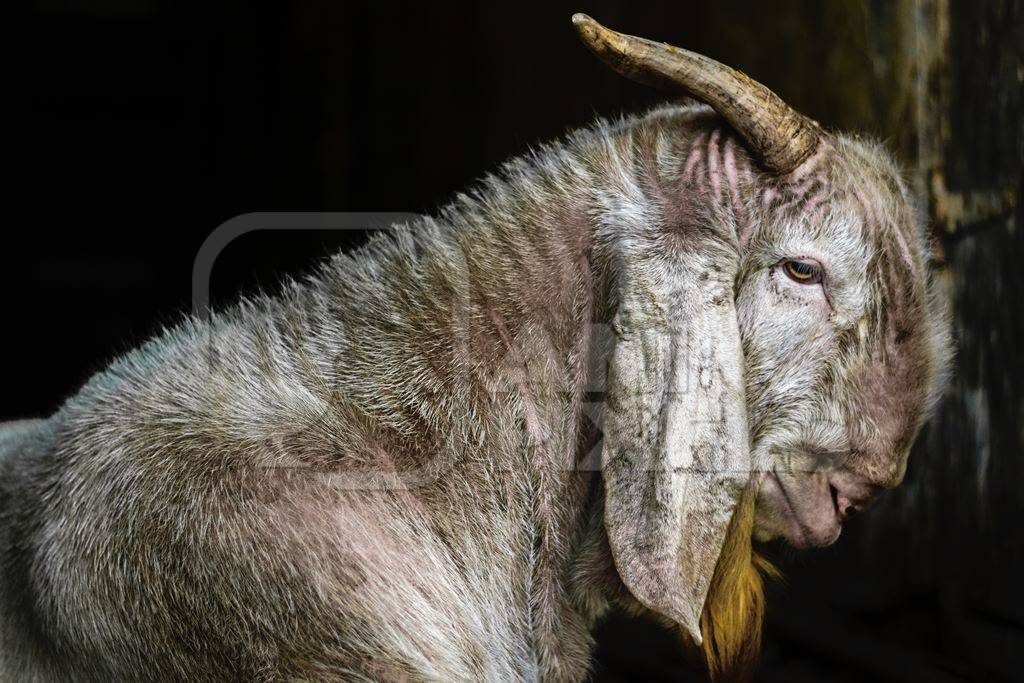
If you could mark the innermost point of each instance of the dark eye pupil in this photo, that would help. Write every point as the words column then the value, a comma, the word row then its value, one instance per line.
column 803, row 268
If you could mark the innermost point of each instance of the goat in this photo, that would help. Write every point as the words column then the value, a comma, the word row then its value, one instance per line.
column 397, row 468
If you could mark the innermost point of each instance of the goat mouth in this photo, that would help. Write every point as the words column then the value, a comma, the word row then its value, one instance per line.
column 802, row 535
column 800, row 539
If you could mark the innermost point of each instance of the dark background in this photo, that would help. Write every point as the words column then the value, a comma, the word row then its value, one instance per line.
column 134, row 128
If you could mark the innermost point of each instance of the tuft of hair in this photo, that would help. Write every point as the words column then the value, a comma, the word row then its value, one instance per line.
column 734, row 610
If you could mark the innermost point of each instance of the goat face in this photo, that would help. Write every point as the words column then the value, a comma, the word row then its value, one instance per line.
column 844, row 340
column 802, row 309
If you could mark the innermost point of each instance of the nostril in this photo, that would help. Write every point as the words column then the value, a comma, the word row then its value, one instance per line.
column 844, row 507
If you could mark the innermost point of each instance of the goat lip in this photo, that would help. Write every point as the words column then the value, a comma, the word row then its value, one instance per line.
column 804, row 536
column 799, row 539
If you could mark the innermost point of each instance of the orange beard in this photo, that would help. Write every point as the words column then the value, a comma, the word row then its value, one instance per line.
column 734, row 609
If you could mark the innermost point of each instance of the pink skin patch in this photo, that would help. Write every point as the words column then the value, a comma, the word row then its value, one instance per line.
column 714, row 172
column 692, row 160
column 714, row 168
column 905, row 252
column 732, row 175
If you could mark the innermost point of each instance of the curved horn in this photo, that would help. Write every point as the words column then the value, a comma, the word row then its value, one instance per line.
column 780, row 137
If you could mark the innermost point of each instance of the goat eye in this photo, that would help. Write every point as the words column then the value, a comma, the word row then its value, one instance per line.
column 804, row 272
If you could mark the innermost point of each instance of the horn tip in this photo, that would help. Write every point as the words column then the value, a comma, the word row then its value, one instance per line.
column 593, row 35
column 588, row 29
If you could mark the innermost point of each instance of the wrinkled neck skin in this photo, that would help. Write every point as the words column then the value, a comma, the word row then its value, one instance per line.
column 678, row 169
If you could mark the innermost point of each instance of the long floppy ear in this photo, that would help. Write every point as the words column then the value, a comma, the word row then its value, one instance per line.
column 676, row 454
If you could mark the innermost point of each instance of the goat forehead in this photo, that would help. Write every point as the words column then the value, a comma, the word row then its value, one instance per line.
column 856, row 206
column 889, row 354
column 893, row 248
column 896, row 266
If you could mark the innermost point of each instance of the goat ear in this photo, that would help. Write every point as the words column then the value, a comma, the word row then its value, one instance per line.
column 676, row 454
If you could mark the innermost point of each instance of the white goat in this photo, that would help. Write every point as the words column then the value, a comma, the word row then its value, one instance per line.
column 385, row 471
